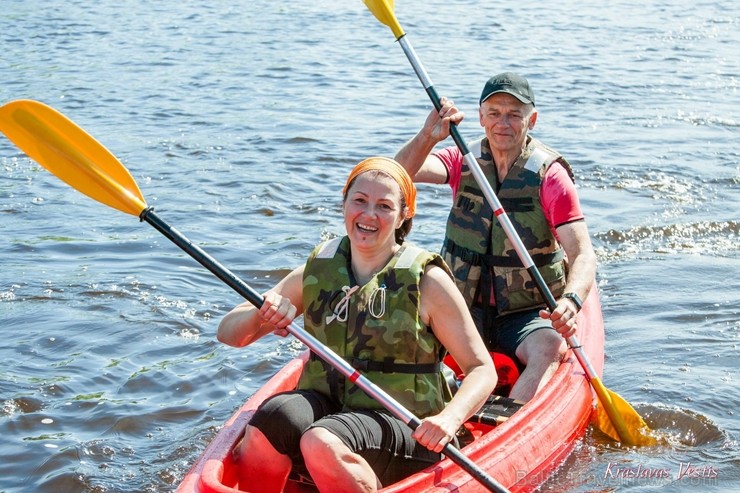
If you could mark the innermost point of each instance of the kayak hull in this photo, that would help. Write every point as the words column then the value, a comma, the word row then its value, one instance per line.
column 521, row 453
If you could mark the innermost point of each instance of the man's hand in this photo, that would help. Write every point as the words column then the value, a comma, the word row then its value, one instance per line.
column 563, row 319
column 437, row 124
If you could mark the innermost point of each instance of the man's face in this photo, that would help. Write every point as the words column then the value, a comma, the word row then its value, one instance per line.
column 506, row 121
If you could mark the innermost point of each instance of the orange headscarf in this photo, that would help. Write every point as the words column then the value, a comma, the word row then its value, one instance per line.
column 392, row 169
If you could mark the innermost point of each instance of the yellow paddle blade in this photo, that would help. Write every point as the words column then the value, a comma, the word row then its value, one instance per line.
column 59, row 145
column 615, row 417
column 383, row 11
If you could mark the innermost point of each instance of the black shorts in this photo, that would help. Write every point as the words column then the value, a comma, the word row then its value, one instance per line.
column 383, row 440
column 504, row 333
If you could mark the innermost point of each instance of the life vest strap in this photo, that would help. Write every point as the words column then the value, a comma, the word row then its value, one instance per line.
column 477, row 259
column 389, row 366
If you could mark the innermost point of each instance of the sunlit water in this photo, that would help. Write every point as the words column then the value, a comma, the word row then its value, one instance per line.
column 240, row 120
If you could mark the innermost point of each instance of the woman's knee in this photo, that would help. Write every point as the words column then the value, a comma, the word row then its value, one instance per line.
column 256, row 444
column 319, row 445
column 333, row 465
column 259, row 464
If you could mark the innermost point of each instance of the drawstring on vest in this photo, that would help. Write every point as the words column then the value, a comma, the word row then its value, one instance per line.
column 377, row 297
column 371, row 303
column 342, row 309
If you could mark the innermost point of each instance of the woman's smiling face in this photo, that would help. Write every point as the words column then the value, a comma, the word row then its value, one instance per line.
column 373, row 210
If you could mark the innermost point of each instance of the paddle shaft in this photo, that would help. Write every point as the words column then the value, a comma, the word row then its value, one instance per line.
column 311, row 342
column 513, row 237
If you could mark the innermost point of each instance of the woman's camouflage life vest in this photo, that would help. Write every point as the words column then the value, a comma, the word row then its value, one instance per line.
column 476, row 247
column 375, row 327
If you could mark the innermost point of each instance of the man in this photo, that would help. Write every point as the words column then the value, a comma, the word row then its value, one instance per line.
column 535, row 187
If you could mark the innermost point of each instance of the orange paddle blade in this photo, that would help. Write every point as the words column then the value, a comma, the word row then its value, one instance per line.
column 59, row 145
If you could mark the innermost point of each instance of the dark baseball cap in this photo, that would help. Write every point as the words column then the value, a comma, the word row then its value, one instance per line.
column 509, row 83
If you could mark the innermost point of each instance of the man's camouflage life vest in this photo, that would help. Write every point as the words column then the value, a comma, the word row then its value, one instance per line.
column 375, row 327
column 476, row 247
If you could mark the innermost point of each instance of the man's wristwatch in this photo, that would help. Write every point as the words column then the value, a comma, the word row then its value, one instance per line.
column 575, row 299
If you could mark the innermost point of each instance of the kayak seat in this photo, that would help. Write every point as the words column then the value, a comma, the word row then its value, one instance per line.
column 506, row 369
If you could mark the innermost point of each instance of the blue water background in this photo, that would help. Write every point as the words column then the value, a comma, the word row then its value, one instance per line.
column 240, row 120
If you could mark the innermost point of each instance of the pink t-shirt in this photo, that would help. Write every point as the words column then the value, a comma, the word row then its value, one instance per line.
column 558, row 194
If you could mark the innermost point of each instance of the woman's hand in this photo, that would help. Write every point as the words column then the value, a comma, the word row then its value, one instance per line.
column 277, row 311
column 436, row 431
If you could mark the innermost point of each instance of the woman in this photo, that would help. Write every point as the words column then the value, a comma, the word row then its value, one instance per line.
column 390, row 309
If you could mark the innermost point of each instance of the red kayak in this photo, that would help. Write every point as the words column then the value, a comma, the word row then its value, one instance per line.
column 520, row 449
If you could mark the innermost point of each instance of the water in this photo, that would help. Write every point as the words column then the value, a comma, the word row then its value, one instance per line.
column 240, row 121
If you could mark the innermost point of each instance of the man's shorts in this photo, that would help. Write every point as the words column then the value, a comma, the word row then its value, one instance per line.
column 504, row 333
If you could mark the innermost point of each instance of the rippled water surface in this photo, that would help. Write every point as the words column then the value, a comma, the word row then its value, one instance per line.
column 240, row 120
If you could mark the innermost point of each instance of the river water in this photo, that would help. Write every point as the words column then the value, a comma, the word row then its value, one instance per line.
column 240, row 120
